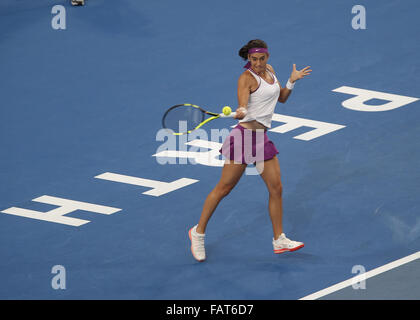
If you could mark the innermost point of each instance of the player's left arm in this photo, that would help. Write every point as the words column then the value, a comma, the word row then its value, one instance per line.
column 294, row 76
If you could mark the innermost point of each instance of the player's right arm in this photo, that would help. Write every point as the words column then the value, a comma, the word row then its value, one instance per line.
column 244, row 90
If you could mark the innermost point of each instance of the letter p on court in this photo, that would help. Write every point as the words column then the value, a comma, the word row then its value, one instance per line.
column 361, row 96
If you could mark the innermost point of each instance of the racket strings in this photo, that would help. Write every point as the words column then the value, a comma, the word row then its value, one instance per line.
column 183, row 119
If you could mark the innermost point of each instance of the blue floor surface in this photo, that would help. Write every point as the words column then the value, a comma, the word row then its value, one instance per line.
column 79, row 102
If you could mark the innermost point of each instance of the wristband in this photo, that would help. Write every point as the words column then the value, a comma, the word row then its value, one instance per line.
column 290, row 85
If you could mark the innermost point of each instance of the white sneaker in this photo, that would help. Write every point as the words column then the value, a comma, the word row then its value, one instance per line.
column 78, row 2
column 282, row 244
column 197, row 244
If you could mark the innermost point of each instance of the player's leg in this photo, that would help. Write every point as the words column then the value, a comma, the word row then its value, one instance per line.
column 231, row 173
column 272, row 178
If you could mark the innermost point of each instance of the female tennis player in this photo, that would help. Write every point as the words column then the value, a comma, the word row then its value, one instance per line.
column 258, row 92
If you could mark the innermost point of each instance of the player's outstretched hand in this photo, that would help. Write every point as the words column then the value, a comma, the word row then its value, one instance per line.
column 299, row 74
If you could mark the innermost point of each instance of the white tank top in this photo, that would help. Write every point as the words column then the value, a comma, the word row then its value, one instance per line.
column 262, row 101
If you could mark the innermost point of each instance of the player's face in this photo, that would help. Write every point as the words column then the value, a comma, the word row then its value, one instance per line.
column 258, row 61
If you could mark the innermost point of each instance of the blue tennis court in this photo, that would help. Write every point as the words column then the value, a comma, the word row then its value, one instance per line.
column 90, row 208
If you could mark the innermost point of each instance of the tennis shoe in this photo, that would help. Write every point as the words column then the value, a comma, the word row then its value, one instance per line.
column 197, row 244
column 78, row 2
column 283, row 244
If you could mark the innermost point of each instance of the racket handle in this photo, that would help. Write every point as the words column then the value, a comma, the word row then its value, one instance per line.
column 231, row 115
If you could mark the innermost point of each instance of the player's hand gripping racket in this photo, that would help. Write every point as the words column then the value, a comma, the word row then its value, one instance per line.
column 184, row 118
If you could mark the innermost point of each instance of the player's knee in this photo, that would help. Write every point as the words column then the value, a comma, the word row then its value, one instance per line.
column 276, row 190
column 224, row 189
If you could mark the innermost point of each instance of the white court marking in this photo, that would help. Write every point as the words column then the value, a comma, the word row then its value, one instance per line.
column 362, row 277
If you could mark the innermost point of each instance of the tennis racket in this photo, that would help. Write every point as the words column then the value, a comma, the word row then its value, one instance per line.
column 185, row 118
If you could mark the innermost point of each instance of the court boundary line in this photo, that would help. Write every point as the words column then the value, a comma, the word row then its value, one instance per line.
column 361, row 277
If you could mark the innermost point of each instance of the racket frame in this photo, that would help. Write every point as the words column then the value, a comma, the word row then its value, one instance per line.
column 212, row 114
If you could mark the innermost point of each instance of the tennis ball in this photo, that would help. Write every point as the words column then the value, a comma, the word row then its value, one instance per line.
column 226, row 110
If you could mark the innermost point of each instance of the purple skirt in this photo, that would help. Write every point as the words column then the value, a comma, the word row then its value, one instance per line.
column 248, row 146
